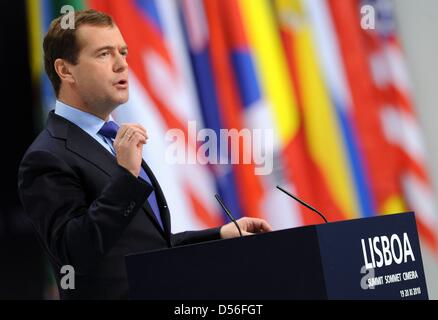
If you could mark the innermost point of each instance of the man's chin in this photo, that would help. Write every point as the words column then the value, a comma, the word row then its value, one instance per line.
column 122, row 99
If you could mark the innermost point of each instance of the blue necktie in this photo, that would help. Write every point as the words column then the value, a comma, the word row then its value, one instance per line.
column 109, row 130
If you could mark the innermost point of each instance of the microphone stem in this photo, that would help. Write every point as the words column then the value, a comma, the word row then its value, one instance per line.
column 303, row 203
column 228, row 214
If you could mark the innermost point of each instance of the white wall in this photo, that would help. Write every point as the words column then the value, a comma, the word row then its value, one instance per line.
column 418, row 27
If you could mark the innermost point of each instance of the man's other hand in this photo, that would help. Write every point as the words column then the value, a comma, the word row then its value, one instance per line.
column 247, row 225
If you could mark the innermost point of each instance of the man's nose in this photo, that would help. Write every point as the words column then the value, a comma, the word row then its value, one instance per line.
column 120, row 63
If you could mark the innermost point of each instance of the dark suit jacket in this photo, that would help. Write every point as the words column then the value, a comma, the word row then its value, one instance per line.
column 89, row 212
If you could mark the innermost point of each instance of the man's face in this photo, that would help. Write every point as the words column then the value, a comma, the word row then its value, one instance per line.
column 101, row 73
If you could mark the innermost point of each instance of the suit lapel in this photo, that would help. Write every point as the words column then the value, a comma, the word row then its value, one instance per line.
column 162, row 203
column 81, row 143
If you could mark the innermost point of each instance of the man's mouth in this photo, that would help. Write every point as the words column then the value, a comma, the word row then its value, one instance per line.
column 122, row 84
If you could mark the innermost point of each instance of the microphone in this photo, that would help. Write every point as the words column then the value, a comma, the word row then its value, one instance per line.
column 303, row 203
column 228, row 213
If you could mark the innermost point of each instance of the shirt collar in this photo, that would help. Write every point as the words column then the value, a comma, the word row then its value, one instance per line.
column 84, row 120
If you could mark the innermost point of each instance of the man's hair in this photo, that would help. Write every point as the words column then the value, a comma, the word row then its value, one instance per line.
column 61, row 43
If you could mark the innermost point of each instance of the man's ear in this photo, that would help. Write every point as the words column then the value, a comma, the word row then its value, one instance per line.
column 62, row 68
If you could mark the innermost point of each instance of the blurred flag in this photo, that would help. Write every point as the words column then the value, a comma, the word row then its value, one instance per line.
column 386, row 124
column 323, row 179
column 336, row 97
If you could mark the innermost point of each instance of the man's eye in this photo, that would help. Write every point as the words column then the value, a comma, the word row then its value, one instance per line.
column 124, row 53
column 104, row 54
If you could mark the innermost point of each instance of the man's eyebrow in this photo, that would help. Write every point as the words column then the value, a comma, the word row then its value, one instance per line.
column 105, row 48
column 124, row 48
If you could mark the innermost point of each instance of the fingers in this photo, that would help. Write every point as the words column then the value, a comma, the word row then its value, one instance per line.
column 134, row 127
column 122, row 138
column 254, row 225
column 141, row 129
column 122, row 131
column 137, row 138
column 129, row 138
column 262, row 225
column 248, row 226
column 128, row 130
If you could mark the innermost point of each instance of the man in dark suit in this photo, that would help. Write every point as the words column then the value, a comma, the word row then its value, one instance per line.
column 90, row 196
